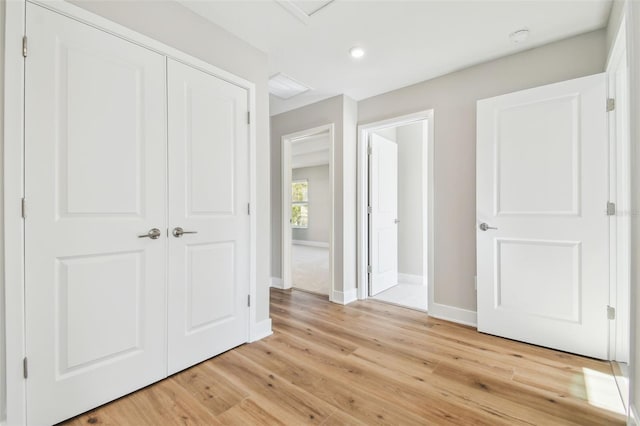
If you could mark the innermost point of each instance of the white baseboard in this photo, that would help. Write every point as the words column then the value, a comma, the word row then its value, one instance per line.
column 260, row 330
column 345, row 297
column 410, row 279
column 454, row 314
column 276, row 283
column 310, row 243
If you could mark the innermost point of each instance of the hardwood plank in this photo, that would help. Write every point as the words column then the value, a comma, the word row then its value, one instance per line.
column 359, row 403
column 249, row 412
column 211, row 389
column 368, row 363
column 270, row 389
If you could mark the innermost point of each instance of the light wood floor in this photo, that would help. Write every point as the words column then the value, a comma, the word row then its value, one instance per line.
column 368, row 363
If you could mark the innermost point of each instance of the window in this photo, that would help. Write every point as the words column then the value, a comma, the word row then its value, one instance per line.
column 300, row 203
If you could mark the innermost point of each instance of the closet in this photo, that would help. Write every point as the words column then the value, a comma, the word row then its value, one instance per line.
column 137, row 225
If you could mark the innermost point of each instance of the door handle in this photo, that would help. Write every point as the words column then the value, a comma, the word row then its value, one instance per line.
column 396, row 220
column 179, row 232
column 485, row 227
column 154, row 234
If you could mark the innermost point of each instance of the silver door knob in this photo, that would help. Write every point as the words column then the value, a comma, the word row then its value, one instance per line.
column 179, row 232
column 396, row 221
column 485, row 227
column 154, row 234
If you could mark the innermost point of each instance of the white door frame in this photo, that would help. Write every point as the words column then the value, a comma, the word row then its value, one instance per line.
column 364, row 130
column 13, row 164
column 619, row 193
column 287, row 141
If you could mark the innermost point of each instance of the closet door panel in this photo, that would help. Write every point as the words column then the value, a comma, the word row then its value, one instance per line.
column 208, row 200
column 95, row 179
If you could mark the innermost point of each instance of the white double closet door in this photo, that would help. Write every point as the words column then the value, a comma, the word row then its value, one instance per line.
column 119, row 141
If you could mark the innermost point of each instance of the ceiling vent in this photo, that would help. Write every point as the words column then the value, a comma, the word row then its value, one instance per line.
column 304, row 9
column 285, row 87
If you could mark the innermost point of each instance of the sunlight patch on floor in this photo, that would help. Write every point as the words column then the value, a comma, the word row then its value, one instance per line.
column 602, row 391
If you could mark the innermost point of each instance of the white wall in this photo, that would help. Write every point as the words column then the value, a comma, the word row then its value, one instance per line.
column 410, row 229
column 319, row 204
column 453, row 98
column 179, row 27
column 342, row 112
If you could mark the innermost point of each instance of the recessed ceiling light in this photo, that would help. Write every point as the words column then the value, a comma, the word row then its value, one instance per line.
column 519, row 36
column 356, row 52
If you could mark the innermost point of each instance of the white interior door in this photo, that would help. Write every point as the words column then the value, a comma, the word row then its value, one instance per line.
column 542, row 181
column 383, row 219
column 95, row 150
column 209, row 196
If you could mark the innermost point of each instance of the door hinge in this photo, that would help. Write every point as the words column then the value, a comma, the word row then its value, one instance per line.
column 369, row 150
column 611, row 209
column 369, row 209
column 25, row 368
column 248, row 117
column 24, row 46
column 248, row 208
column 249, row 300
column 369, row 269
column 611, row 312
column 23, row 208
column 611, row 104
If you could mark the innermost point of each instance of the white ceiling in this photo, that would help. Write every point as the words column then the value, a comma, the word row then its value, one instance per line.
column 310, row 151
column 406, row 41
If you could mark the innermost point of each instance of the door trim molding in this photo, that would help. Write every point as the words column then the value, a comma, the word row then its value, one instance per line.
column 13, row 164
column 286, row 177
column 364, row 130
column 13, row 225
column 620, row 194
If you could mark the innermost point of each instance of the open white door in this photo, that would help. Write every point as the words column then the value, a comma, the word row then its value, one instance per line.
column 208, row 217
column 543, row 229
column 95, row 173
column 383, row 217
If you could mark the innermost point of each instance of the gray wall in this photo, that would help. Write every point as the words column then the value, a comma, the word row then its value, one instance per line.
column 319, row 204
column 3, row 387
column 615, row 16
column 453, row 98
column 318, row 114
column 410, row 229
column 177, row 26
column 348, row 177
column 634, row 52
column 342, row 112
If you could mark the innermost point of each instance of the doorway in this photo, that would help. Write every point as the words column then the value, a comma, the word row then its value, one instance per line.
column 307, row 206
column 395, row 210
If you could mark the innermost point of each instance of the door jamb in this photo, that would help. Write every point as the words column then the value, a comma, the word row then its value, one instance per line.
column 364, row 130
column 620, row 194
column 286, row 175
